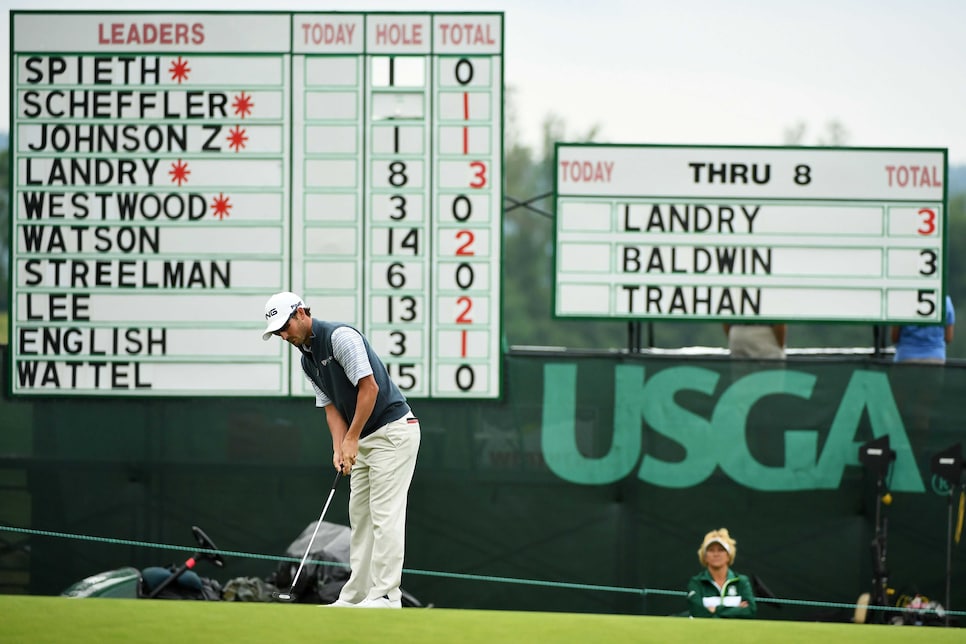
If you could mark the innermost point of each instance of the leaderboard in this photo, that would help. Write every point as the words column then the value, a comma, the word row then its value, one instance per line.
column 170, row 171
column 749, row 234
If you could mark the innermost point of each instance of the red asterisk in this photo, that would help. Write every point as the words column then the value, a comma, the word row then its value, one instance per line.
column 179, row 172
column 237, row 138
column 243, row 105
column 179, row 70
column 220, row 206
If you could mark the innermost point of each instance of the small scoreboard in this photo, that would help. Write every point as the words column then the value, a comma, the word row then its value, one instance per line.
column 745, row 234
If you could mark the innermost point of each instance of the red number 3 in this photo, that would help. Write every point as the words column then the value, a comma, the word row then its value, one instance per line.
column 928, row 226
column 479, row 174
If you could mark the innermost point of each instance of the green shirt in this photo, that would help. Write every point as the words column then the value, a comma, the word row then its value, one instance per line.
column 702, row 591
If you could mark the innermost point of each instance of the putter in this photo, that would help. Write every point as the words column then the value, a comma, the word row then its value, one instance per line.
column 290, row 595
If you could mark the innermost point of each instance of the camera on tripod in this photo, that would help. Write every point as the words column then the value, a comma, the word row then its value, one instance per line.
column 948, row 465
column 877, row 457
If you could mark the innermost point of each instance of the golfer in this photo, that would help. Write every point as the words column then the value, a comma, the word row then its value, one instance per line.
column 375, row 437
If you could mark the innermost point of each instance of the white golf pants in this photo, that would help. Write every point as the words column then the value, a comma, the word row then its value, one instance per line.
column 378, row 493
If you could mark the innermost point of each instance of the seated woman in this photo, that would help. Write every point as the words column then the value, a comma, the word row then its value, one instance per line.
column 718, row 591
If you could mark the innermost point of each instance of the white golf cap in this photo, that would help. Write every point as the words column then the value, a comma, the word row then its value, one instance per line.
column 278, row 309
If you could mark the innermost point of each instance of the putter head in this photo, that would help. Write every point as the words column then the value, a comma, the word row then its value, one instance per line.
column 283, row 597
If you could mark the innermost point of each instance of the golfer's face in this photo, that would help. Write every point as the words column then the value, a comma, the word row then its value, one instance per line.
column 294, row 330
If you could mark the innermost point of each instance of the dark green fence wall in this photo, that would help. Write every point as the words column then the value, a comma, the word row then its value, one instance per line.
column 599, row 472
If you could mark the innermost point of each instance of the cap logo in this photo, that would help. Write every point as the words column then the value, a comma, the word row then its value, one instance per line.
column 271, row 314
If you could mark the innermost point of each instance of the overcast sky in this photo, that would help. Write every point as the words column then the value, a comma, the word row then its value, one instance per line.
column 740, row 72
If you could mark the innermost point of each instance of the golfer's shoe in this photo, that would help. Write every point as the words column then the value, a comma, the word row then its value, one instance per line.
column 380, row 602
column 339, row 603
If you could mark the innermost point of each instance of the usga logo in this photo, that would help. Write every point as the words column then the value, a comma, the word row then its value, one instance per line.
column 814, row 460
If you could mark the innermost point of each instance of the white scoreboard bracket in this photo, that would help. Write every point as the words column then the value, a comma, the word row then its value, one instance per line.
column 750, row 234
column 170, row 171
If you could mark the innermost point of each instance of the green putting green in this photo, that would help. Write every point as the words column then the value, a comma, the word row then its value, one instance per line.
column 61, row 620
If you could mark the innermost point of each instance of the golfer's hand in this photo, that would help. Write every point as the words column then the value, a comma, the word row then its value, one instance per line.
column 337, row 459
column 350, row 452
